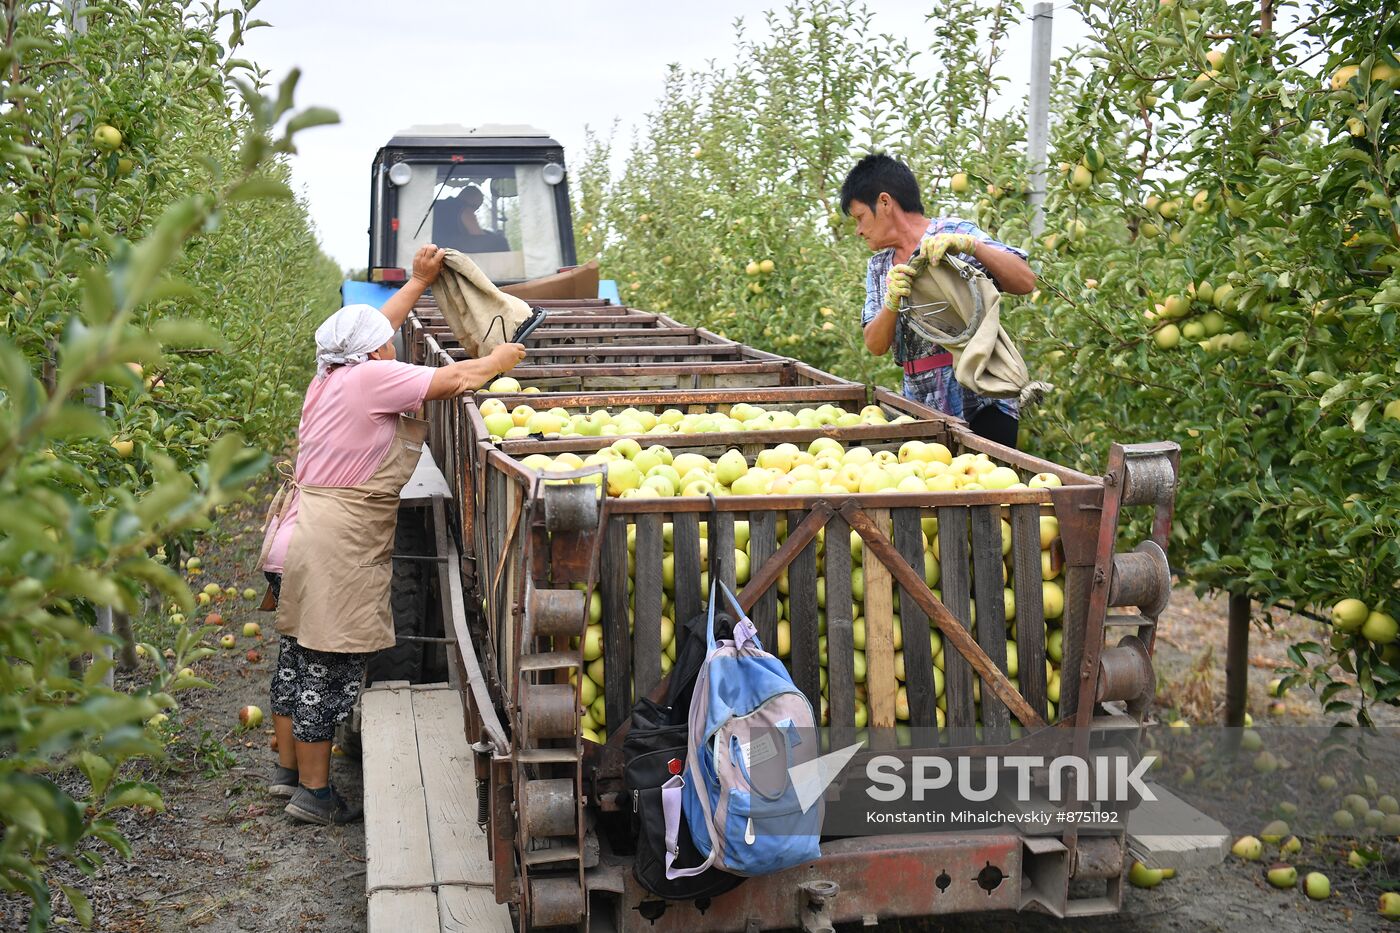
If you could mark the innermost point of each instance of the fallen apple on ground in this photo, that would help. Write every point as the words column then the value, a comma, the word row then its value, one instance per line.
column 250, row 717
column 1140, row 876
column 1283, row 876
column 1248, row 848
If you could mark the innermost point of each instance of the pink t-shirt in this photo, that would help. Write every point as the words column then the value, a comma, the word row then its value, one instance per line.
column 347, row 424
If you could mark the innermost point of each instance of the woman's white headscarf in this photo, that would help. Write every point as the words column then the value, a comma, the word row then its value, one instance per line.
column 349, row 336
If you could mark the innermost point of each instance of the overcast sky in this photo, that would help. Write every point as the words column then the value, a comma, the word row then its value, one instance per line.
column 560, row 65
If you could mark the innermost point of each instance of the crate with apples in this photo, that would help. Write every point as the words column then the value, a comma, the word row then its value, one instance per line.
column 507, row 414
column 924, row 586
column 825, row 468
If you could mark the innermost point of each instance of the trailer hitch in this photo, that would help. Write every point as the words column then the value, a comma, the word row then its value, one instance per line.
column 818, row 898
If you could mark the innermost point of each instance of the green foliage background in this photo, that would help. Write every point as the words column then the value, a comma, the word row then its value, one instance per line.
column 181, row 252
column 1278, row 402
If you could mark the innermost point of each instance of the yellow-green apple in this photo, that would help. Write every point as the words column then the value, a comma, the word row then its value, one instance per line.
column 1317, row 886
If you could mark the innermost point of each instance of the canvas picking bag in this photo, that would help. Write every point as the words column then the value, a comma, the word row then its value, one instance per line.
column 955, row 305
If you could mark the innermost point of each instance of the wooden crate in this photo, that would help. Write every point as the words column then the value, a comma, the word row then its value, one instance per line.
column 525, row 554
column 850, row 398
column 968, row 523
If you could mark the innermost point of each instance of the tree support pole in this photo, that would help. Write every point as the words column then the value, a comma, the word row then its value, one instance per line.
column 1038, row 128
column 1237, row 661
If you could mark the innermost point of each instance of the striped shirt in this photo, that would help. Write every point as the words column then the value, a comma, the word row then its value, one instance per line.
column 938, row 387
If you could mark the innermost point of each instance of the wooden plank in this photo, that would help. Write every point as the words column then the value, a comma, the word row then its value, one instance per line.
column 991, row 615
column 839, row 651
column 396, row 911
column 795, row 540
column 880, row 685
column 1195, row 840
column 458, row 848
column 646, row 591
column 956, row 591
column 1030, row 606
column 721, row 536
column 685, row 546
column 763, row 544
column 617, row 641
column 1078, row 582
column 947, row 623
column 397, row 849
column 918, row 657
column 802, row 627
column 470, row 910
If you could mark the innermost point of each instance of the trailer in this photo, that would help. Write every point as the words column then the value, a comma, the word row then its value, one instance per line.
column 541, row 550
column 547, row 591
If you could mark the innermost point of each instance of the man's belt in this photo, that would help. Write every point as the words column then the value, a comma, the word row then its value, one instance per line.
column 924, row 364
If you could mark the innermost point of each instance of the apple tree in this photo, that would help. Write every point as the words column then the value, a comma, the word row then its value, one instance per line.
column 1218, row 268
column 727, row 211
column 148, row 243
column 1221, row 270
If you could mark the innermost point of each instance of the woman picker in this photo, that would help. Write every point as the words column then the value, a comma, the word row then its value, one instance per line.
column 327, row 553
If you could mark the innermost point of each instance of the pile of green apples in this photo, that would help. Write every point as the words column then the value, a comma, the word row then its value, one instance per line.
column 866, row 472
column 524, row 420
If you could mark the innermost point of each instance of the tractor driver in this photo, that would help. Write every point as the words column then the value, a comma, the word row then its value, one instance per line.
column 472, row 237
column 882, row 195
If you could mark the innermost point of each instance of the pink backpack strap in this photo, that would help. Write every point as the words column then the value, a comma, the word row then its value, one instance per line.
column 671, row 806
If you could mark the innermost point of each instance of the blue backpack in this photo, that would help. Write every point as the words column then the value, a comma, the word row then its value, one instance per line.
column 749, row 725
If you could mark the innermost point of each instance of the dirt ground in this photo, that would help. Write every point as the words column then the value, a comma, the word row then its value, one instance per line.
column 223, row 857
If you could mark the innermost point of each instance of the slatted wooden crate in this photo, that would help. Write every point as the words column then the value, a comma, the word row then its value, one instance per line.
column 815, row 532
column 848, row 398
column 533, row 544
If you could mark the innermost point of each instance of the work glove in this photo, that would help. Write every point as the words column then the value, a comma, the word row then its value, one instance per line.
column 936, row 246
column 898, row 284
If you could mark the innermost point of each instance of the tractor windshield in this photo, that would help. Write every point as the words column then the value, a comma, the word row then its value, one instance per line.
column 501, row 215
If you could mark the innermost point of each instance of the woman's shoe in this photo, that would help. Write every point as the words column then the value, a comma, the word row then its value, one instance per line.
column 325, row 811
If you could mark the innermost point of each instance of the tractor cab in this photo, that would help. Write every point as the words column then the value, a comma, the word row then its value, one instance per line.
column 495, row 192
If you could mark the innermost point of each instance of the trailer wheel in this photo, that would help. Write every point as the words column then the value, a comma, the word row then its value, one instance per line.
column 408, row 600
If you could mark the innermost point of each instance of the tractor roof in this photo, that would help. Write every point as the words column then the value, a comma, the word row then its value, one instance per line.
column 487, row 134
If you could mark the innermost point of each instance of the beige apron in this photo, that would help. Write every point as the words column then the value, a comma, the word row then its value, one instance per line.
column 335, row 581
